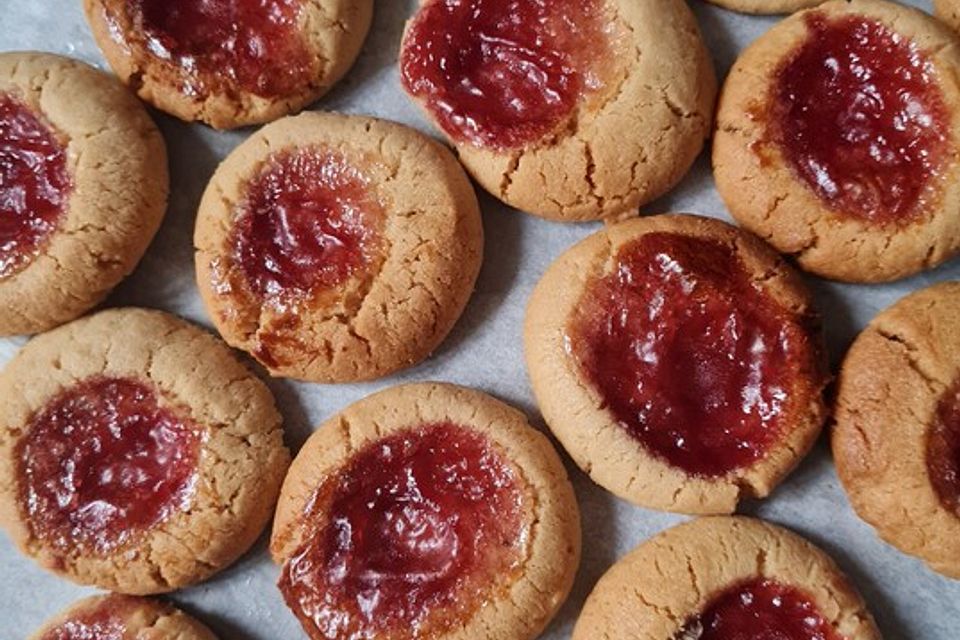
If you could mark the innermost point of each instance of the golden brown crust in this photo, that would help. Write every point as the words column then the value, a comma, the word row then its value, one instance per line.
column 117, row 162
column 653, row 591
column 433, row 240
column 890, row 385
column 554, row 540
column 242, row 457
column 764, row 195
column 765, row 7
column 589, row 431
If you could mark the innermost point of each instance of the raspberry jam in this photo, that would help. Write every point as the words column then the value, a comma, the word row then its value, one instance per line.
column 859, row 116
column 253, row 45
column 504, row 73
column 693, row 359
column 943, row 451
column 415, row 533
column 760, row 609
column 34, row 184
column 104, row 621
column 102, row 462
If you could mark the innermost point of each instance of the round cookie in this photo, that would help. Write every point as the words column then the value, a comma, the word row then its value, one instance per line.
column 725, row 577
column 335, row 248
column 426, row 510
column 679, row 361
column 765, row 7
column 229, row 64
column 115, row 616
column 837, row 137
column 83, row 188
column 568, row 110
column 896, row 441
column 948, row 11
column 138, row 454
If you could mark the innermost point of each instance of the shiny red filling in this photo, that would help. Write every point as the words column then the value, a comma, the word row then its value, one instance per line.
column 858, row 114
column 760, row 609
column 693, row 358
column 943, row 450
column 34, row 184
column 503, row 73
column 103, row 461
column 255, row 45
column 413, row 534
column 103, row 622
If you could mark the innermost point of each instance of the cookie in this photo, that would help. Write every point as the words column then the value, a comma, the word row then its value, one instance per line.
column 571, row 110
column 430, row 511
column 138, row 454
column 679, row 361
column 114, row 617
column 896, row 441
column 720, row 578
column 83, row 188
column 837, row 137
column 229, row 64
column 336, row 248
column 765, row 7
column 948, row 11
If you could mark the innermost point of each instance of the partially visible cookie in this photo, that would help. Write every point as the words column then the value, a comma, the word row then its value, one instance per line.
column 680, row 362
column 229, row 64
column 335, row 248
column 896, row 441
column 428, row 511
column 723, row 578
column 116, row 617
column 837, row 140
column 570, row 109
column 138, row 454
column 83, row 188
column 762, row 7
column 948, row 11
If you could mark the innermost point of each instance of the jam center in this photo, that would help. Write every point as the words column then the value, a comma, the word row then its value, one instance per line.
column 858, row 114
column 105, row 621
column 943, row 451
column 34, row 184
column 103, row 461
column 504, row 73
column 255, row 45
column 693, row 359
column 760, row 610
column 414, row 533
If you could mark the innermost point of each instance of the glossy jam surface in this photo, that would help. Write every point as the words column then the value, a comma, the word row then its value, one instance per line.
column 102, row 462
column 858, row 114
column 503, row 73
column 694, row 360
column 415, row 533
column 943, row 451
column 253, row 45
column 760, row 610
column 34, row 184
column 105, row 621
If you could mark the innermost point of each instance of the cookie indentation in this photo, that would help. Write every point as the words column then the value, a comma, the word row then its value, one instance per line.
column 34, row 184
column 943, row 451
column 104, row 461
column 417, row 531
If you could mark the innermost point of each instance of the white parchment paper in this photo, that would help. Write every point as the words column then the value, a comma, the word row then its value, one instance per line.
column 484, row 351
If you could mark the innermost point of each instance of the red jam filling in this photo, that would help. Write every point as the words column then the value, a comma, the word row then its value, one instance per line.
column 103, row 461
column 760, row 610
column 694, row 360
column 413, row 534
column 254, row 45
column 34, row 184
column 943, row 451
column 858, row 114
column 105, row 621
column 503, row 73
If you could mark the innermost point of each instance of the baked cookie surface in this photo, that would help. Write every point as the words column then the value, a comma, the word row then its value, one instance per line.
column 426, row 510
column 765, row 7
column 337, row 248
column 719, row 578
column 83, row 188
column 568, row 110
column 229, row 64
column 679, row 361
column 896, row 441
column 117, row 617
column 139, row 455
column 837, row 141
